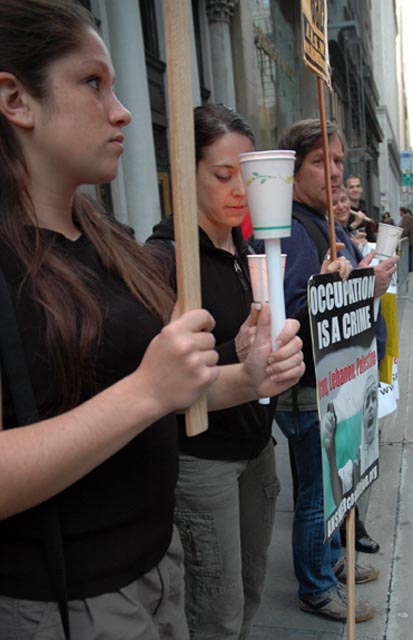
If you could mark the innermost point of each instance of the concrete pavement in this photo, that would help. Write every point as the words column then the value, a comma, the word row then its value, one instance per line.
column 388, row 514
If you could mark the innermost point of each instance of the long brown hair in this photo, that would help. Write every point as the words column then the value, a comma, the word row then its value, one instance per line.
column 33, row 34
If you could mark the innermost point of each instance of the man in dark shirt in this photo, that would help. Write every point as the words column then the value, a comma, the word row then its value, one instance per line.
column 318, row 565
column 358, row 216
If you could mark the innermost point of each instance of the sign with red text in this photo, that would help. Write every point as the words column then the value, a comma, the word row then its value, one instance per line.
column 315, row 40
column 345, row 356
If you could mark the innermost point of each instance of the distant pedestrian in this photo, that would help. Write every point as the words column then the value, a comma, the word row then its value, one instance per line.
column 387, row 219
column 358, row 214
column 407, row 224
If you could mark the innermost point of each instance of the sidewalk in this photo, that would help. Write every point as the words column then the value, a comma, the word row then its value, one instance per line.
column 389, row 519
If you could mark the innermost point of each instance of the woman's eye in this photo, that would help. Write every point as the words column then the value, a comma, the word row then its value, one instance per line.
column 223, row 178
column 93, row 82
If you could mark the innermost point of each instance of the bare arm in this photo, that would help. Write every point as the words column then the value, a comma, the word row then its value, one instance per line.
column 328, row 434
column 40, row 460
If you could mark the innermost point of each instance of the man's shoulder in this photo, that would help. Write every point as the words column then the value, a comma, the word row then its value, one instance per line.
column 314, row 225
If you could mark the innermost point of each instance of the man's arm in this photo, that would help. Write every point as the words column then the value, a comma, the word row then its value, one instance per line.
column 328, row 438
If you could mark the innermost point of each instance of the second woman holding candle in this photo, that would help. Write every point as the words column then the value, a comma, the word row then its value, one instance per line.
column 227, row 484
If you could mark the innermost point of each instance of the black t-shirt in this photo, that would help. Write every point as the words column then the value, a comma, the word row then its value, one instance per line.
column 117, row 520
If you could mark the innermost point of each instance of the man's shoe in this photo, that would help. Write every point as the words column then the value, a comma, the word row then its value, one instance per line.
column 367, row 545
column 363, row 572
column 334, row 605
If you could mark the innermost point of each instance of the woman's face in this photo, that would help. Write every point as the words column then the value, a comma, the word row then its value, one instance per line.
column 76, row 134
column 221, row 195
column 342, row 209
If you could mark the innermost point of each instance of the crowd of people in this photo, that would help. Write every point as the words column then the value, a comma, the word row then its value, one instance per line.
column 113, row 522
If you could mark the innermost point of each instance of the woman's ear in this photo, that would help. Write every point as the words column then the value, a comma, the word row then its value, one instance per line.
column 15, row 101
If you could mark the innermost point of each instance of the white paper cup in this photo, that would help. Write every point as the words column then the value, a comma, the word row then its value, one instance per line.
column 269, row 177
column 257, row 265
column 388, row 237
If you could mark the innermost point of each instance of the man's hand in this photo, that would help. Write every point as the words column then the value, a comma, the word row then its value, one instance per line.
column 383, row 271
column 328, row 430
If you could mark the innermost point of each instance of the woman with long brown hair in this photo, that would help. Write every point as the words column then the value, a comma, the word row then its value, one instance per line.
column 87, row 486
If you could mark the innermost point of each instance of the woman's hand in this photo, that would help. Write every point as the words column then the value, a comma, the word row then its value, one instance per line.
column 180, row 363
column 246, row 334
column 359, row 240
column 272, row 372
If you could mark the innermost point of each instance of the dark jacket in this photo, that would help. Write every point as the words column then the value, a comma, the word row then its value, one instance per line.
column 239, row 432
column 302, row 262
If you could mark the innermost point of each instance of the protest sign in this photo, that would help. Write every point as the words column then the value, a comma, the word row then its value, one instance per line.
column 345, row 356
column 315, row 41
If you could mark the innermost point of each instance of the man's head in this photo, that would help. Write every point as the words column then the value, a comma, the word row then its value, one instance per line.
column 305, row 138
column 370, row 408
column 354, row 189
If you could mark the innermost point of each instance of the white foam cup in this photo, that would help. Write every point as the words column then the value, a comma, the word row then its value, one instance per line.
column 268, row 177
column 388, row 237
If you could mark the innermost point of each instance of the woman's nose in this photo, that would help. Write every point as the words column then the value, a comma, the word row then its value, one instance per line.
column 120, row 114
column 239, row 186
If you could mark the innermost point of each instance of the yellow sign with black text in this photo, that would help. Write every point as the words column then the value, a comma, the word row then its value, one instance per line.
column 315, row 40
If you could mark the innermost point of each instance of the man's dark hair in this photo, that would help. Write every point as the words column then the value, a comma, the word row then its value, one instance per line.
column 305, row 135
column 353, row 177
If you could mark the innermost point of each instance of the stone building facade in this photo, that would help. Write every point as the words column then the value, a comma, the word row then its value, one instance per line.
column 247, row 54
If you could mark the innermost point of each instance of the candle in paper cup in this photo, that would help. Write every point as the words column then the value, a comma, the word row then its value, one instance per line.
column 283, row 260
column 388, row 237
column 257, row 265
column 268, row 177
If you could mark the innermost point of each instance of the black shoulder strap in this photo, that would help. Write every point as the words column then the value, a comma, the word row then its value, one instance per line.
column 14, row 367
column 314, row 232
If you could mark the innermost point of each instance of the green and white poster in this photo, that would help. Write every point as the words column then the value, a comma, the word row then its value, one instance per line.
column 345, row 355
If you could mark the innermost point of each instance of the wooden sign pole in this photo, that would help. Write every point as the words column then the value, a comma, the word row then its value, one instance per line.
column 315, row 48
column 351, row 575
column 350, row 561
column 182, row 154
column 323, row 121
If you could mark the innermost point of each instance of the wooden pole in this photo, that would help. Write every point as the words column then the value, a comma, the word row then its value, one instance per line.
column 323, row 121
column 182, row 154
column 351, row 562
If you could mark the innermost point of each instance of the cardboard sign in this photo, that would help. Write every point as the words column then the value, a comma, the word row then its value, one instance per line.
column 315, row 40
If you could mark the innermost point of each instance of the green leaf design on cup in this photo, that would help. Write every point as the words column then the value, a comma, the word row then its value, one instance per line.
column 263, row 178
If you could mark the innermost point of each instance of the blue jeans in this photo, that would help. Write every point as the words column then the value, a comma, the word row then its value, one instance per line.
column 225, row 514
column 313, row 559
